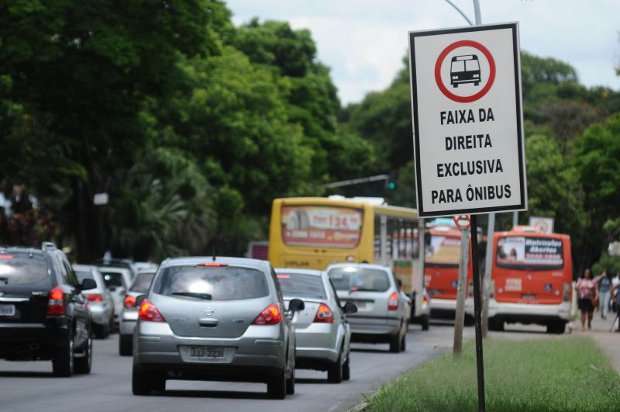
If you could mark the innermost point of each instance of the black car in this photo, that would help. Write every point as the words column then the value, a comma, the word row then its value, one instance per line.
column 43, row 315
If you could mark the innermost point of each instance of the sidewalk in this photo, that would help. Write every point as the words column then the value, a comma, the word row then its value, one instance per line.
column 609, row 342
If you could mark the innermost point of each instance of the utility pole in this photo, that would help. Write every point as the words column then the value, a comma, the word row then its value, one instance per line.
column 459, row 318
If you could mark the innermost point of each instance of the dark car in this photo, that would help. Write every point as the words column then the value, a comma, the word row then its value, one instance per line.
column 43, row 314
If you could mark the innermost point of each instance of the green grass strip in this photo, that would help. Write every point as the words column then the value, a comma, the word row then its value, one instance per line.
column 563, row 374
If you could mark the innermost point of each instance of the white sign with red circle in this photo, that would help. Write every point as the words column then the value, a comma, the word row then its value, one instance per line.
column 467, row 120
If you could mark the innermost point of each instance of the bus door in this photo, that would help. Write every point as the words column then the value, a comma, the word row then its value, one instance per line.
column 532, row 269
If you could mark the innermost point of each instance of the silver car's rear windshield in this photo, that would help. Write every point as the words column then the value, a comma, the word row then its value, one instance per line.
column 301, row 286
column 359, row 279
column 212, row 283
column 142, row 282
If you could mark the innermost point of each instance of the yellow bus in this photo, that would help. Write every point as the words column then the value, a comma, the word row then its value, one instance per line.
column 314, row 232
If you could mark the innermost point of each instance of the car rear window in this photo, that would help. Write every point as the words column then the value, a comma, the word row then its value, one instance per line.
column 301, row 286
column 113, row 279
column 142, row 282
column 359, row 279
column 84, row 274
column 23, row 269
column 212, row 283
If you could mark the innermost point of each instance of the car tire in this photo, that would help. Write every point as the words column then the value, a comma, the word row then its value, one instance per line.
column 100, row 331
column 62, row 361
column 403, row 343
column 144, row 383
column 335, row 371
column 125, row 345
column 276, row 387
column 84, row 364
column 290, row 383
column 425, row 322
column 395, row 343
column 346, row 369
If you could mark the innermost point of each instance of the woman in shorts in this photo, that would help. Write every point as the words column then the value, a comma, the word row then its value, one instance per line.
column 586, row 289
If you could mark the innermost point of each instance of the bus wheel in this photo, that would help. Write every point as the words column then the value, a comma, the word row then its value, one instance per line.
column 557, row 327
column 496, row 325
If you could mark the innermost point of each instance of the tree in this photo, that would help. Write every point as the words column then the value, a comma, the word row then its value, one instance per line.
column 83, row 71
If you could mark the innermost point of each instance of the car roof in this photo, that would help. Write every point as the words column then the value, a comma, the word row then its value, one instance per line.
column 359, row 265
column 232, row 261
column 312, row 272
column 21, row 249
column 78, row 266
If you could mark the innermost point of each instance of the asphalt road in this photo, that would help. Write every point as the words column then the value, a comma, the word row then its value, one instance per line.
column 29, row 386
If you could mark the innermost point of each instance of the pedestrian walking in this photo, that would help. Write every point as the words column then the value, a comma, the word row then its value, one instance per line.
column 604, row 290
column 587, row 292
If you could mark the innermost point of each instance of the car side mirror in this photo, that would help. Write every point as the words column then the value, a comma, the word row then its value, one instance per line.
column 139, row 300
column 88, row 284
column 296, row 305
column 349, row 308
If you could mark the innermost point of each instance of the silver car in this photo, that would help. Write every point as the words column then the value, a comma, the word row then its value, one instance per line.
column 129, row 314
column 382, row 310
column 100, row 302
column 322, row 331
column 117, row 280
column 214, row 318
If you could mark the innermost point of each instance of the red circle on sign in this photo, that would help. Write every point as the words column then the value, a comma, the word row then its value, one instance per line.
column 485, row 89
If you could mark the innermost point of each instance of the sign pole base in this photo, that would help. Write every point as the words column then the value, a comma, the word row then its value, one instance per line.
column 477, row 312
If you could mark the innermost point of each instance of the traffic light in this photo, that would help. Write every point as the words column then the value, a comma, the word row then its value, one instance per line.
column 391, row 183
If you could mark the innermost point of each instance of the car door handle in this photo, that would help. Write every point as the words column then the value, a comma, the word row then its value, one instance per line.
column 208, row 322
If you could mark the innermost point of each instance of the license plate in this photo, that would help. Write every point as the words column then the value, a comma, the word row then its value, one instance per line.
column 204, row 353
column 7, row 310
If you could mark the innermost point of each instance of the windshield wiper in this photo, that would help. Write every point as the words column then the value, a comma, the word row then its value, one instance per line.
column 205, row 296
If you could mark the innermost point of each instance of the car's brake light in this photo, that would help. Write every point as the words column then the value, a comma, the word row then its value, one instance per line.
column 148, row 312
column 56, row 302
column 271, row 315
column 129, row 301
column 211, row 265
column 393, row 301
column 324, row 314
column 94, row 297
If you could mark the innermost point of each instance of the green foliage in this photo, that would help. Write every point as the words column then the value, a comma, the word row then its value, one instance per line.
column 568, row 374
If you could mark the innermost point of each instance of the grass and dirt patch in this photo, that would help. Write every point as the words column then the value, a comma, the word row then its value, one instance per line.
column 563, row 374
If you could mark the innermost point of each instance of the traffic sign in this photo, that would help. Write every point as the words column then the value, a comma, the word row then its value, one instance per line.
column 461, row 221
column 467, row 120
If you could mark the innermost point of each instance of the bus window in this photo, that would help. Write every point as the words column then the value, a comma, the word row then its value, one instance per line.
column 321, row 226
column 520, row 252
column 443, row 250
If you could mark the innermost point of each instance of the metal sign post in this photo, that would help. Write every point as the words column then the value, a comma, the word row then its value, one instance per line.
column 477, row 312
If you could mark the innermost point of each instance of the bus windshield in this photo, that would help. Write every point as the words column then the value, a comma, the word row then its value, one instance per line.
column 321, row 226
column 443, row 251
column 529, row 253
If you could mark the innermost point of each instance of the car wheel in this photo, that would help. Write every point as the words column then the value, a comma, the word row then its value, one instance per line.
column 84, row 363
column 125, row 345
column 335, row 371
column 395, row 343
column 100, row 331
column 143, row 383
column 403, row 343
column 425, row 322
column 290, row 383
column 276, row 387
column 62, row 362
column 346, row 369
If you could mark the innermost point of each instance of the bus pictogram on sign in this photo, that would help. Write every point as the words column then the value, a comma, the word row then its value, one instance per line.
column 468, row 67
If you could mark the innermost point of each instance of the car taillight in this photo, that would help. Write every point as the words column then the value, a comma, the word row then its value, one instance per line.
column 149, row 312
column 129, row 301
column 94, row 297
column 324, row 314
column 271, row 315
column 56, row 302
column 393, row 301
column 566, row 292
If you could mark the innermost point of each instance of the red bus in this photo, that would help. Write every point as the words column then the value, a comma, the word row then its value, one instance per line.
column 532, row 274
column 441, row 269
